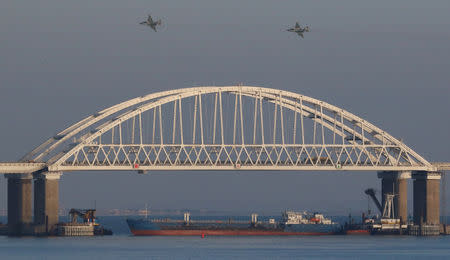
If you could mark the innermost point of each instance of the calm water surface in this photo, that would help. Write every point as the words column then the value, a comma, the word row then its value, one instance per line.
column 123, row 245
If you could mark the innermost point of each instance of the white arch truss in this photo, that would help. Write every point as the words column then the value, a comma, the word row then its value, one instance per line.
column 225, row 128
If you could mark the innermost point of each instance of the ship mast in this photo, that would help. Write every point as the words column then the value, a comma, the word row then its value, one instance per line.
column 146, row 210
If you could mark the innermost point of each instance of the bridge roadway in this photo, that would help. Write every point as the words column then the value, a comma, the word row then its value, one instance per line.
column 21, row 168
column 441, row 166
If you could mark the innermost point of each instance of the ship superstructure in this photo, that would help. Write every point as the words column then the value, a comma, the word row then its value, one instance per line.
column 293, row 217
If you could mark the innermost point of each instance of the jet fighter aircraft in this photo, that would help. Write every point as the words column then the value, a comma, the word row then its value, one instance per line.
column 151, row 23
column 299, row 29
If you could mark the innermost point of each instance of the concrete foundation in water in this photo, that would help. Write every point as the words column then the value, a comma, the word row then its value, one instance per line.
column 426, row 198
column 46, row 194
column 396, row 183
column 19, row 204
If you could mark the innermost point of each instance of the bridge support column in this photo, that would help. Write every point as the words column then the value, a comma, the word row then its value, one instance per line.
column 19, row 204
column 46, row 199
column 426, row 197
column 393, row 182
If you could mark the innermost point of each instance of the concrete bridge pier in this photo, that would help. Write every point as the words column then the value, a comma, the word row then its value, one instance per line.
column 19, row 204
column 46, row 199
column 426, row 197
column 396, row 182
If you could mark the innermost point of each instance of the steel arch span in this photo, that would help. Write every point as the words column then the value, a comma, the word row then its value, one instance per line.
column 225, row 128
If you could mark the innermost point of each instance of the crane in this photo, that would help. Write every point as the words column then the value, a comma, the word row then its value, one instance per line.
column 88, row 215
column 371, row 193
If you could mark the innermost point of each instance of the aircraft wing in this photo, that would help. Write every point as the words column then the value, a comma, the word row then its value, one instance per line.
column 153, row 27
column 300, row 34
column 150, row 20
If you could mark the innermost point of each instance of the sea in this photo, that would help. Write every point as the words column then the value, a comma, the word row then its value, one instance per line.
column 123, row 245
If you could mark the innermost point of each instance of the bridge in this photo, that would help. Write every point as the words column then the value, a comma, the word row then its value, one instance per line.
column 218, row 128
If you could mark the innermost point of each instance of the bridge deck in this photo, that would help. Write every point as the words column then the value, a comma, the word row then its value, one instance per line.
column 441, row 166
column 20, row 167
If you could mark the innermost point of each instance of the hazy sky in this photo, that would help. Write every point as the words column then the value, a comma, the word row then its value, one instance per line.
column 385, row 61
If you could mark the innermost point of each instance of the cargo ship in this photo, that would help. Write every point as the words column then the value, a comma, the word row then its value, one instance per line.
column 291, row 224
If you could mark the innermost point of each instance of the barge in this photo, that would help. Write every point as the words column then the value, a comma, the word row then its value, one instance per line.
column 88, row 226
